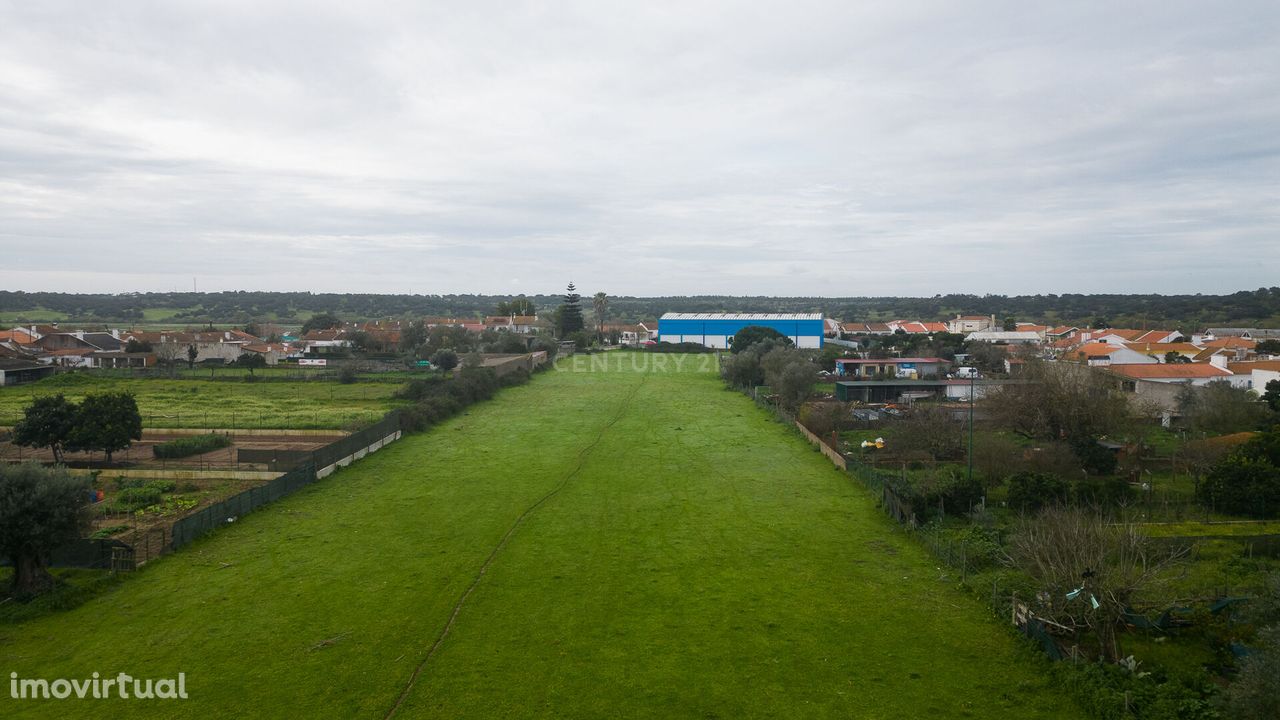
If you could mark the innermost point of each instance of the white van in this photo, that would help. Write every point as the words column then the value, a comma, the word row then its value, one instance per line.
column 967, row 372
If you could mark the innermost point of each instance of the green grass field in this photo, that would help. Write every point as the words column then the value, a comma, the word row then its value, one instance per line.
column 220, row 404
column 592, row 544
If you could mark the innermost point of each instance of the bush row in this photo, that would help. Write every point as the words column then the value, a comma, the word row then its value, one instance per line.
column 439, row 399
column 194, row 445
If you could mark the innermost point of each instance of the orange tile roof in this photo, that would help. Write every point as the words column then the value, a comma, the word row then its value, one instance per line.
column 1123, row 333
column 1232, row 342
column 21, row 336
column 1244, row 368
column 1093, row 349
column 1162, row 348
column 1168, row 370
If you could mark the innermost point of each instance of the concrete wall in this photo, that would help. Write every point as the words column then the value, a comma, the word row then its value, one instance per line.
column 343, row 462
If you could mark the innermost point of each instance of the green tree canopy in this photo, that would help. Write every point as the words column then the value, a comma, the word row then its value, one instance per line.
column 1272, row 395
column 516, row 306
column 445, row 359
column 321, row 321
column 106, row 422
column 752, row 334
column 251, row 361
column 1242, row 485
column 47, row 422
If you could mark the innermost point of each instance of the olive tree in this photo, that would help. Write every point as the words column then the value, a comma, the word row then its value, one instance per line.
column 40, row 509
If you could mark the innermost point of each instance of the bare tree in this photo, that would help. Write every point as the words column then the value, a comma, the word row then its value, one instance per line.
column 1089, row 571
column 995, row 457
column 167, row 354
column 930, row 430
column 1061, row 401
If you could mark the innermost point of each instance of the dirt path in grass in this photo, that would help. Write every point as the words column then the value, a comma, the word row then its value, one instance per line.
column 502, row 543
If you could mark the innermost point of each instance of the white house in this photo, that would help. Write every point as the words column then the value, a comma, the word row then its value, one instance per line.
column 1008, row 337
column 965, row 324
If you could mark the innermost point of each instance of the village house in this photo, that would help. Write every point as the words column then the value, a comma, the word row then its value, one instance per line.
column 965, row 324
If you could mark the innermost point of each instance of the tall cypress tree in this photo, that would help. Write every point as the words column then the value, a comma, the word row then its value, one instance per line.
column 570, row 312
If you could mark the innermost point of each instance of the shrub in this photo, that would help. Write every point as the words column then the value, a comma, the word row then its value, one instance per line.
column 1256, row 690
column 1110, row 691
column 942, row 492
column 125, row 482
column 1094, row 458
column 420, row 388
column 348, row 375
column 441, row 398
column 1102, row 492
column 1029, row 491
column 682, row 348
column 194, row 445
column 164, row 486
column 1242, row 485
column 134, row 498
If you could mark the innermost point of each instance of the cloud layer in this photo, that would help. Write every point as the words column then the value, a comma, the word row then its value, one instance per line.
column 642, row 148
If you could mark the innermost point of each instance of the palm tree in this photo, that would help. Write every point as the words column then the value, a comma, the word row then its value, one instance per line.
column 601, row 305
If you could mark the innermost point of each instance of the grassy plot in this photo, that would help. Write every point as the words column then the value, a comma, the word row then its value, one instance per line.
column 597, row 544
column 212, row 404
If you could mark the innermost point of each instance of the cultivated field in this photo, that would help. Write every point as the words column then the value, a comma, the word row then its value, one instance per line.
column 593, row 544
column 220, row 404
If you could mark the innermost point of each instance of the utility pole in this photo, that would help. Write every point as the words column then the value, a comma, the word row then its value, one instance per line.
column 972, row 381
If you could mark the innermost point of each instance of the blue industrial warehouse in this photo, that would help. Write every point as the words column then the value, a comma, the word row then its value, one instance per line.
column 715, row 330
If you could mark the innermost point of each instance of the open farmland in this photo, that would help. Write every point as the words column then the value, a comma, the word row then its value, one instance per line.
column 220, row 404
column 621, row 543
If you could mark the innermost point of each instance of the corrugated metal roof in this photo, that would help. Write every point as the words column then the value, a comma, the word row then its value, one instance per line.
column 741, row 316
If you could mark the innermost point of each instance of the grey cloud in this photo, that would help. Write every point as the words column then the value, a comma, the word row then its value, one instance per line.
column 786, row 148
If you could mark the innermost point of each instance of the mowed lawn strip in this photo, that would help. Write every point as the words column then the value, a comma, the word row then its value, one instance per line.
column 703, row 561
column 319, row 605
column 221, row 404
column 707, row 563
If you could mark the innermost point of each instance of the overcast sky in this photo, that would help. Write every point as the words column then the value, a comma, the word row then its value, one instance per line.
column 641, row 148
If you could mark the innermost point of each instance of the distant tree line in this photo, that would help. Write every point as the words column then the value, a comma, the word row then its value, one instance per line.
column 1259, row 307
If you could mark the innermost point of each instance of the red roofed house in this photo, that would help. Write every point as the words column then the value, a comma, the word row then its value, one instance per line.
column 1185, row 373
column 1098, row 354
